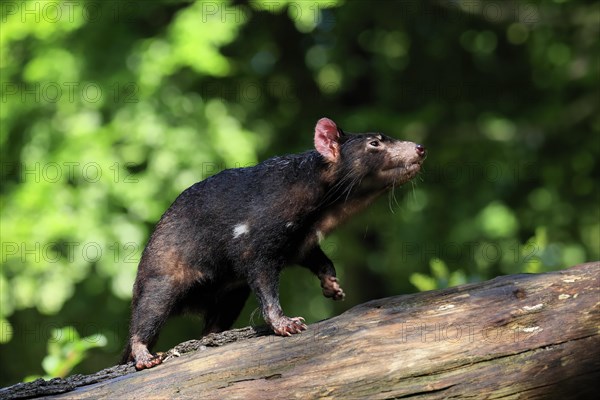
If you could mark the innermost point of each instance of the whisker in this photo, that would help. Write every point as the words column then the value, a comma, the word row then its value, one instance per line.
column 394, row 196
column 354, row 182
column 334, row 190
column 414, row 192
column 343, row 187
column 252, row 323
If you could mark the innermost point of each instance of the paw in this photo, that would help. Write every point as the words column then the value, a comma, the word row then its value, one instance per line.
column 286, row 326
column 331, row 288
column 148, row 361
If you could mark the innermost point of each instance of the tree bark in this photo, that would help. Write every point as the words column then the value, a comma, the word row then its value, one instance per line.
column 516, row 336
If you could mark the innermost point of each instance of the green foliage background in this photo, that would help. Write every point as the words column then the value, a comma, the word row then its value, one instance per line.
column 110, row 109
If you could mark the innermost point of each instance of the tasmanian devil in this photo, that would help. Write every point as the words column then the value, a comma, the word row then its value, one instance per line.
column 233, row 233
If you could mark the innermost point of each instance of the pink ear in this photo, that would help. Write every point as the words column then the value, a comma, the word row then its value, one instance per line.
column 326, row 139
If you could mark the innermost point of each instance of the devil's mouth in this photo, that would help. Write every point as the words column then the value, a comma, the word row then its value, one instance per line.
column 414, row 166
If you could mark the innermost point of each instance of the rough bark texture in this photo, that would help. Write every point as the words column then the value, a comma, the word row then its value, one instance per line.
column 518, row 336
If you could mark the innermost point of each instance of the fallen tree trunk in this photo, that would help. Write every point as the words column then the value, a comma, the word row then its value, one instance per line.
column 517, row 336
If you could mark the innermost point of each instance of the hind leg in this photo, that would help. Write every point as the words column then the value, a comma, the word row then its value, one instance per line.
column 223, row 312
column 153, row 302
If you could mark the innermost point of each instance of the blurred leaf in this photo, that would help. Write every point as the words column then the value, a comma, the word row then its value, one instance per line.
column 66, row 349
column 440, row 277
column 423, row 282
column 498, row 221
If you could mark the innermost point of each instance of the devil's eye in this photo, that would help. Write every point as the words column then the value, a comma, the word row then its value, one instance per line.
column 374, row 143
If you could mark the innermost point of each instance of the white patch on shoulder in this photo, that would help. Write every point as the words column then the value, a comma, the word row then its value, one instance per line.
column 289, row 224
column 239, row 230
column 320, row 236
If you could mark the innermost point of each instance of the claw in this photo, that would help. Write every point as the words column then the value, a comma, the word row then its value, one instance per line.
column 286, row 326
column 331, row 288
column 150, row 362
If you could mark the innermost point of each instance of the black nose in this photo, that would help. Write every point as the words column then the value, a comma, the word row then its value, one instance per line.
column 421, row 150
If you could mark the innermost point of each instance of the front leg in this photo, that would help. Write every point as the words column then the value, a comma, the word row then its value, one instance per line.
column 264, row 281
column 316, row 261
